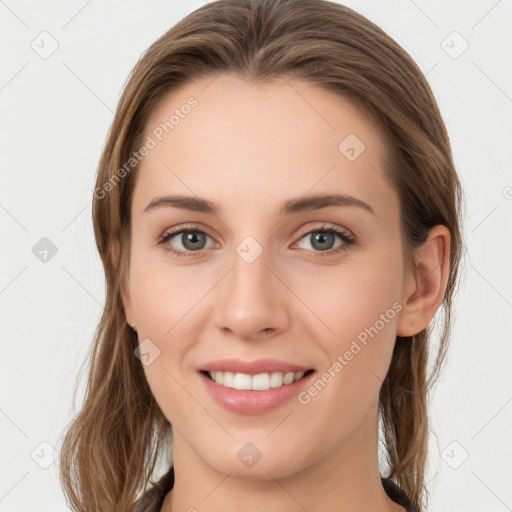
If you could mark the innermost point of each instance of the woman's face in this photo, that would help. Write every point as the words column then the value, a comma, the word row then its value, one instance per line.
column 257, row 280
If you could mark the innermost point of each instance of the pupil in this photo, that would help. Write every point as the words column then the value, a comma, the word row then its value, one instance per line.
column 322, row 237
column 191, row 238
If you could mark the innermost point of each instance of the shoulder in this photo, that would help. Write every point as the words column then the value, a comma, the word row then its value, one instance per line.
column 152, row 500
column 397, row 495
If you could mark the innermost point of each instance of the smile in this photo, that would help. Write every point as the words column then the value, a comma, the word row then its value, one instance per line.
column 259, row 382
column 244, row 393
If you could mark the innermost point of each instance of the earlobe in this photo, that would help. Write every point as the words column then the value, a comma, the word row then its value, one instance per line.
column 424, row 292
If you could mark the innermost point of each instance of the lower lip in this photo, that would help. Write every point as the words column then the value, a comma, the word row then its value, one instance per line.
column 251, row 401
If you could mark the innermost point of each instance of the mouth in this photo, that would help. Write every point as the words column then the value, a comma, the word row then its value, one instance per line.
column 258, row 382
column 258, row 392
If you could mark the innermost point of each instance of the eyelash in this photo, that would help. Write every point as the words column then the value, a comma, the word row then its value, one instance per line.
column 347, row 239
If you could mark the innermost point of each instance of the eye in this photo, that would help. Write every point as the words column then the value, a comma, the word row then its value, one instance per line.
column 191, row 238
column 322, row 240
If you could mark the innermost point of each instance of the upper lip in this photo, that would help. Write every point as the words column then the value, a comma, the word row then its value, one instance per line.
column 253, row 367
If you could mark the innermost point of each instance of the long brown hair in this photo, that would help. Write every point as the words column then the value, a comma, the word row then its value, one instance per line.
column 110, row 449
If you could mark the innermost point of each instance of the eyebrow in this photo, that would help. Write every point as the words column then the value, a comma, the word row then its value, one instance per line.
column 296, row 205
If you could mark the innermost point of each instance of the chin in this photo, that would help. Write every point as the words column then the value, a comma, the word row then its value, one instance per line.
column 254, row 461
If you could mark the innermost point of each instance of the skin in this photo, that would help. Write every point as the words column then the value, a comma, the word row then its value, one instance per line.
column 248, row 147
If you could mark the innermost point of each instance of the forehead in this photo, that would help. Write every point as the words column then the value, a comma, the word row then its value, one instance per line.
column 223, row 137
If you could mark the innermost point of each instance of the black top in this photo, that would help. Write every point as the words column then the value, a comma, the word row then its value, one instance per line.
column 153, row 500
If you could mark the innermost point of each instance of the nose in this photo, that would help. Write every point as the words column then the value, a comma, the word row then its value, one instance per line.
column 252, row 301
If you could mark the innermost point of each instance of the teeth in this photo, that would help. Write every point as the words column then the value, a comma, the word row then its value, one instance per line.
column 259, row 382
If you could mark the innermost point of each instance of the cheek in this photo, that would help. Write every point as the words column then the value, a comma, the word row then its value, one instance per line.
column 353, row 297
column 162, row 293
column 167, row 302
column 167, row 308
column 359, row 311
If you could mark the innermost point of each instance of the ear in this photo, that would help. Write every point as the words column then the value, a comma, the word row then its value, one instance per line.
column 115, row 253
column 423, row 293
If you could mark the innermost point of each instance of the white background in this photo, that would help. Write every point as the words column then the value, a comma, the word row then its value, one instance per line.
column 55, row 116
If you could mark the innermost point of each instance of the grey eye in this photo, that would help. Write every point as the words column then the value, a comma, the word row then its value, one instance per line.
column 190, row 240
column 320, row 240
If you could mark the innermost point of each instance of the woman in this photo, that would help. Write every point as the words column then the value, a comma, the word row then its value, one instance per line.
column 278, row 216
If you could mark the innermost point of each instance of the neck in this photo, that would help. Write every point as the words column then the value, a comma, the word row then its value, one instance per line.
column 345, row 479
